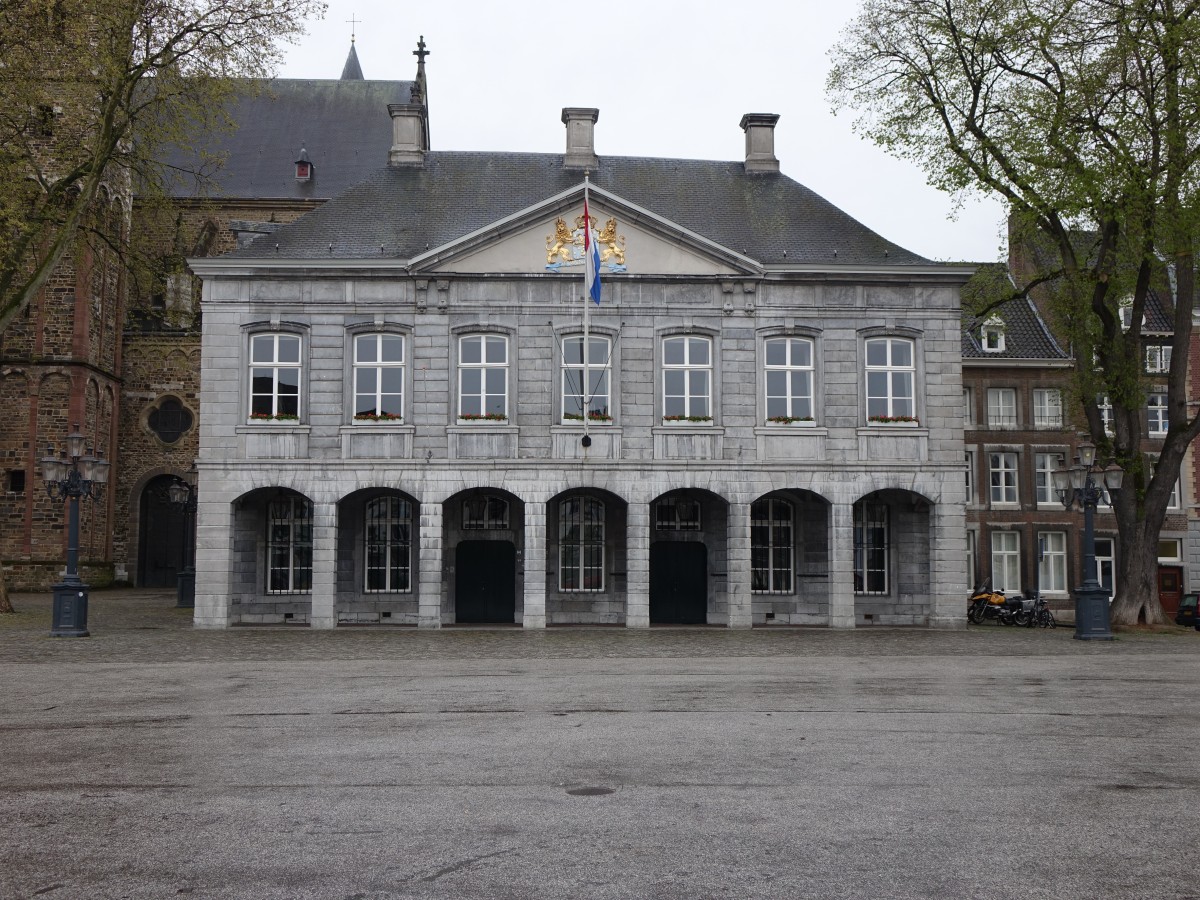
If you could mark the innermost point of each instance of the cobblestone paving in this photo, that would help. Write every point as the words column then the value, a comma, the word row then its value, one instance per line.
column 144, row 626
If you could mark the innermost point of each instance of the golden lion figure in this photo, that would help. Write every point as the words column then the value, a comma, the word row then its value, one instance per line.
column 560, row 244
column 611, row 243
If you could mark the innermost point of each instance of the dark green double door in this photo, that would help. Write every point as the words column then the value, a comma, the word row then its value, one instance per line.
column 678, row 583
column 485, row 582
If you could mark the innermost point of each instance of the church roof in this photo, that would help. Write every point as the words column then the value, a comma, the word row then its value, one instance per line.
column 407, row 210
column 343, row 124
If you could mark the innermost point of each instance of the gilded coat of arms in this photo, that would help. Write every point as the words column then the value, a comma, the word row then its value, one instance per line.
column 564, row 248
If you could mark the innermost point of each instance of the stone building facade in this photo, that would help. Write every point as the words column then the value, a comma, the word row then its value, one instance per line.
column 392, row 419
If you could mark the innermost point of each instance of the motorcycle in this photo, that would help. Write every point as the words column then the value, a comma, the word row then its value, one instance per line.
column 986, row 604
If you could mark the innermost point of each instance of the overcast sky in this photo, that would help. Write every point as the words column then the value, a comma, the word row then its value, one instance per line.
column 670, row 78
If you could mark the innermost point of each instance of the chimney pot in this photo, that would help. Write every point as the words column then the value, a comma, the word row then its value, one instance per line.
column 760, row 142
column 581, row 148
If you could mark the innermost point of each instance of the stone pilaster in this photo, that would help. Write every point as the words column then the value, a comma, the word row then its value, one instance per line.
column 430, row 581
column 324, row 574
column 949, row 582
column 637, row 554
column 841, row 566
column 738, row 566
column 214, row 563
column 535, row 566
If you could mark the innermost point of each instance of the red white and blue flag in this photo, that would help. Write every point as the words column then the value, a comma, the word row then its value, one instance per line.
column 591, row 254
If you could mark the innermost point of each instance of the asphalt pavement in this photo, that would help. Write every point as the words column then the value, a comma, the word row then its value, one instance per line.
column 152, row 760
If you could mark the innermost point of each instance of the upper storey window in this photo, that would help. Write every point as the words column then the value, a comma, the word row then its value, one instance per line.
column 378, row 378
column 483, row 377
column 890, row 380
column 687, row 378
column 275, row 377
column 789, row 364
column 594, row 396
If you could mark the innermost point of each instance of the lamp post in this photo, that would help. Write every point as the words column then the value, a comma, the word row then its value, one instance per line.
column 182, row 492
column 69, row 476
column 1077, row 486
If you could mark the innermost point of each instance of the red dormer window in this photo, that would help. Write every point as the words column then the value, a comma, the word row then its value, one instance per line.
column 303, row 170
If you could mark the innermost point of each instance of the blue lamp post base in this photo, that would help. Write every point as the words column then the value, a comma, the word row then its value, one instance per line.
column 70, row 610
column 1091, row 614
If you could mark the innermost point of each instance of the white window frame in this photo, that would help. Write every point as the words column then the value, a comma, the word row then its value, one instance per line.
column 1044, row 466
column 1175, row 555
column 1106, row 563
column 969, row 407
column 687, row 386
column 387, row 545
column 1002, row 408
column 581, row 545
column 290, row 534
column 1158, row 358
column 483, row 399
column 772, row 547
column 991, row 335
column 1157, row 421
column 599, row 401
column 788, row 382
column 378, row 404
column 1047, row 408
column 1006, row 561
column 872, row 548
column 1052, row 562
column 268, row 360
column 1104, row 405
column 890, row 382
column 970, row 456
column 1003, row 478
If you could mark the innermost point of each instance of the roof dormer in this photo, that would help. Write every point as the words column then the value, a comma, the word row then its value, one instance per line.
column 304, row 168
column 991, row 335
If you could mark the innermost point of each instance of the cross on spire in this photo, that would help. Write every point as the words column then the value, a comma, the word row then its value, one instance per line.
column 353, row 22
column 420, row 53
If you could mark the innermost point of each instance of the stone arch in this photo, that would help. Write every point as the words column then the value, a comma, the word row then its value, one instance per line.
column 790, row 558
column 586, row 557
column 689, row 554
column 271, row 561
column 892, row 569
column 472, row 519
column 378, row 557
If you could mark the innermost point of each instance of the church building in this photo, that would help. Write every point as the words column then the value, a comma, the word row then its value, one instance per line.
column 412, row 411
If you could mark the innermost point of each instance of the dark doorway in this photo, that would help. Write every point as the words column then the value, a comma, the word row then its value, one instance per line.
column 678, row 583
column 485, row 579
column 1170, row 589
column 162, row 534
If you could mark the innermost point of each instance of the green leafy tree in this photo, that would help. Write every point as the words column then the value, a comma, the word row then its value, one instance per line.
column 1084, row 117
column 91, row 90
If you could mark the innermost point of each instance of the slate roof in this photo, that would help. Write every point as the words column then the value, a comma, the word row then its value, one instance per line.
column 344, row 125
column 1025, row 335
column 767, row 217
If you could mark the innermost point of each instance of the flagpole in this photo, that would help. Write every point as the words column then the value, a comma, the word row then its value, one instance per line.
column 587, row 313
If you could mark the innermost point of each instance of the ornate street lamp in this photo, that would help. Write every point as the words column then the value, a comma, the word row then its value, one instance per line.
column 182, row 492
column 1077, row 487
column 69, row 476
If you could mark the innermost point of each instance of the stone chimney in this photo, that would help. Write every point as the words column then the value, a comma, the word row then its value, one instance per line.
column 581, row 148
column 760, row 142
column 410, row 137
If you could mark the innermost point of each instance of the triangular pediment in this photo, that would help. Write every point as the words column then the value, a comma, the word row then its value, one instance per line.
column 547, row 238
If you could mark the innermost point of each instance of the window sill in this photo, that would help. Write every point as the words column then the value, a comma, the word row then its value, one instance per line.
column 264, row 427
column 482, row 423
column 686, row 423
column 592, row 423
column 797, row 424
column 893, row 424
column 383, row 423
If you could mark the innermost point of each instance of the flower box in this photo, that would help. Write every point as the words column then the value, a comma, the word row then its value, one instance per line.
column 594, row 417
column 893, row 420
column 482, row 417
column 378, row 417
column 687, row 420
column 798, row 421
column 278, row 417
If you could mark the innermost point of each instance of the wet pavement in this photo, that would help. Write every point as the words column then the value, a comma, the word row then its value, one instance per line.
column 154, row 760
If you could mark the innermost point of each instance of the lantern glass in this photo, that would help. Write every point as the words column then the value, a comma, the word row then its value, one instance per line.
column 1078, row 477
column 1062, row 479
column 75, row 443
column 178, row 493
column 1087, row 454
column 86, row 466
column 1114, row 475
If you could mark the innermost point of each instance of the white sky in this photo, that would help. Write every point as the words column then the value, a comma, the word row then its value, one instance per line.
column 670, row 78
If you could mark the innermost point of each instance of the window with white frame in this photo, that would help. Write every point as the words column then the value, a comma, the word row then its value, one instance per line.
column 1104, row 405
column 789, row 379
column 1173, row 500
column 387, row 535
column 1044, row 466
column 687, row 378
column 969, row 407
column 1158, row 358
column 970, row 456
column 1003, row 477
column 891, row 377
column 771, row 547
column 275, row 377
column 1052, row 564
column 378, row 378
column 1006, row 561
column 483, row 377
column 594, row 397
column 1106, row 562
column 871, row 548
column 992, row 335
column 289, row 545
column 1156, row 413
column 581, row 544
column 1002, row 407
column 1169, row 550
column 1047, row 408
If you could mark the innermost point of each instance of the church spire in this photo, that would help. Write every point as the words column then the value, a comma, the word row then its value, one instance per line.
column 352, row 71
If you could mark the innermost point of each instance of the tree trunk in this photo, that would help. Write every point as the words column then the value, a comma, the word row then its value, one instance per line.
column 5, row 604
column 1137, row 579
